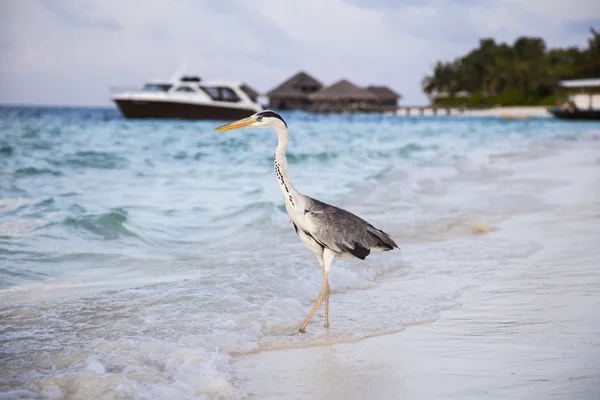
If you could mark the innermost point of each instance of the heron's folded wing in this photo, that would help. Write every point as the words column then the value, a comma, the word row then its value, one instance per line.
column 340, row 230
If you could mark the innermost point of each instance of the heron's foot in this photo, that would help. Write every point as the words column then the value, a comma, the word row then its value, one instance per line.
column 299, row 331
column 326, row 325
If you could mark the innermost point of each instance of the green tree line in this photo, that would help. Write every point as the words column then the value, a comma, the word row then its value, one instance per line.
column 525, row 73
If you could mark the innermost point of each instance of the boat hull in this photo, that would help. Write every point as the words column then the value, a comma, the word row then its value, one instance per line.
column 575, row 114
column 176, row 110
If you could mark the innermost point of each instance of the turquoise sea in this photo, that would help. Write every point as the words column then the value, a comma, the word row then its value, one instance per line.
column 137, row 258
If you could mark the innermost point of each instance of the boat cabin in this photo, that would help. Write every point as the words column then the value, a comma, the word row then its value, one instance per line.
column 587, row 95
column 215, row 92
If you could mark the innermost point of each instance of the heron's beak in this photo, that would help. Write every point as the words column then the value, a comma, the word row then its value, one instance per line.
column 242, row 123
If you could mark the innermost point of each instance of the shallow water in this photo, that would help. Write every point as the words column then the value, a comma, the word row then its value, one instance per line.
column 136, row 257
column 527, row 330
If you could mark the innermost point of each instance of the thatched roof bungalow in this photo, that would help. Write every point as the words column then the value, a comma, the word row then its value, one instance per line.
column 294, row 93
column 388, row 99
column 344, row 96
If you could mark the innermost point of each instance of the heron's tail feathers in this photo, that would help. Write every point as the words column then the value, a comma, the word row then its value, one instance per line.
column 383, row 240
column 377, row 241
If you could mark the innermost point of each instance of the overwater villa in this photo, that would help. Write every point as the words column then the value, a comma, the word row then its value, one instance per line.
column 344, row 96
column 388, row 99
column 303, row 92
column 294, row 93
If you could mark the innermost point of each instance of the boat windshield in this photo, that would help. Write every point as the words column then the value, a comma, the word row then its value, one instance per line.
column 221, row 93
column 152, row 87
column 185, row 89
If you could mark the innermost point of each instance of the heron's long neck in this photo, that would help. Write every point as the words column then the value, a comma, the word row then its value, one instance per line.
column 290, row 194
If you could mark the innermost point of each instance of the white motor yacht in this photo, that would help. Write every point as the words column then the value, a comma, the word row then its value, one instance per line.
column 188, row 97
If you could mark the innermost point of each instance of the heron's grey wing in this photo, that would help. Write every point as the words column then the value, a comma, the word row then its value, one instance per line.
column 342, row 231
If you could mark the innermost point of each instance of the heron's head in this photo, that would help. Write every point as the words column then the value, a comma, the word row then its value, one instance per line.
column 263, row 119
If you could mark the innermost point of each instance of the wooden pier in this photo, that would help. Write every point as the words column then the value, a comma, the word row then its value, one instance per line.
column 429, row 110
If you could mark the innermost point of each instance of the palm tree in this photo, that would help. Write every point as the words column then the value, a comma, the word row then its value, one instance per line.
column 524, row 71
column 442, row 79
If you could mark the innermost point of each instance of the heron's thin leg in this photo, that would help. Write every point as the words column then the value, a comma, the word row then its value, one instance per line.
column 327, row 290
column 320, row 299
column 325, row 283
column 328, row 256
column 325, row 260
column 327, row 307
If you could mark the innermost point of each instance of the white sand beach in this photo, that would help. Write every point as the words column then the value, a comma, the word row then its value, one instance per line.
column 510, row 112
column 531, row 332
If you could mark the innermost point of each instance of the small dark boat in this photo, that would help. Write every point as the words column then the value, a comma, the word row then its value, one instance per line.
column 565, row 113
column 584, row 104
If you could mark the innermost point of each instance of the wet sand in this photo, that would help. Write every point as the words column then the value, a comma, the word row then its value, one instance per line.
column 532, row 332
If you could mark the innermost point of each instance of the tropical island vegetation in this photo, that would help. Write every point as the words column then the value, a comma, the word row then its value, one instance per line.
column 525, row 73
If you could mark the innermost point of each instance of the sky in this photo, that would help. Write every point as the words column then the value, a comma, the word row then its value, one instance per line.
column 62, row 52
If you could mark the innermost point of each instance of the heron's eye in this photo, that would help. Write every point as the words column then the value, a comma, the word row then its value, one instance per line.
column 259, row 118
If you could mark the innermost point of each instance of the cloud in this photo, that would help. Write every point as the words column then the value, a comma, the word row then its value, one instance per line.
column 81, row 14
column 401, row 4
column 60, row 52
column 230, row 6
column 5, row 45
column 582, row 26
column 382, row 4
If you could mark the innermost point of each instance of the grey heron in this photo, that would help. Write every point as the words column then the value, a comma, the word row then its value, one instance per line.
column 326, row 230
